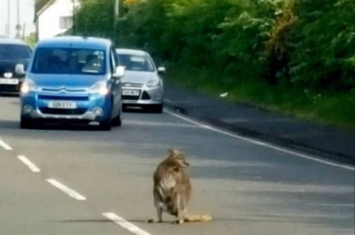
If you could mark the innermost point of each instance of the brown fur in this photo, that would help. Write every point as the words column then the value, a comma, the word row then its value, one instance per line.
column 172, row 189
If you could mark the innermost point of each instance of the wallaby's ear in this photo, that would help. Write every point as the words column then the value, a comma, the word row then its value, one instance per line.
column 174, row 151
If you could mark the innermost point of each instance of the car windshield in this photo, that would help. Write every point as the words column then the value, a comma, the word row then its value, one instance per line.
column 136, row 63
column 69, row 61
column 14, row 52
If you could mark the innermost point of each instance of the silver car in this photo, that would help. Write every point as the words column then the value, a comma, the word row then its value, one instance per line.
column 141, row 85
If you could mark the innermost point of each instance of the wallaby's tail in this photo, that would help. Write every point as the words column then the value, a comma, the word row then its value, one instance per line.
column 198, row 218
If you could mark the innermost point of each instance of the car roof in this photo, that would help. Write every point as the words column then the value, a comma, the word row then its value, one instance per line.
column 131, row 51
column 76, row 42
column 12, row 41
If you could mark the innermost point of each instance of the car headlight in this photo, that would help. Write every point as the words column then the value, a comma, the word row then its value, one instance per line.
column 99, row 87
column 153, row 83
column 27, row 86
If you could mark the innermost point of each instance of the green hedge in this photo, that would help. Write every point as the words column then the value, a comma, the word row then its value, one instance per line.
column 306, row 46
column 310, row 44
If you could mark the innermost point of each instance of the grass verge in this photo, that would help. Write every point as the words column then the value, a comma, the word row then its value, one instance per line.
column 335, row 109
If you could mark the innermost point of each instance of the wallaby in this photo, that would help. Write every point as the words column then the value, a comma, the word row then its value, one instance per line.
column 172, row 189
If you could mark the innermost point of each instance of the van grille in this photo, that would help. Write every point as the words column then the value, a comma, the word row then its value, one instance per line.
column 61, row 89
column 62, row 111
column 73, row 98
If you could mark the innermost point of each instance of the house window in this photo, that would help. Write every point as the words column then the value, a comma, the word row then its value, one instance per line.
column 65, row 22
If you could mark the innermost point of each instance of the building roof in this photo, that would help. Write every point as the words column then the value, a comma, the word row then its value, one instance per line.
column 76, row 41
column 40, row 6
column 48, row 4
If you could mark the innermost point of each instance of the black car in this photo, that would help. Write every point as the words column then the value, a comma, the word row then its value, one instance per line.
column 13, row 53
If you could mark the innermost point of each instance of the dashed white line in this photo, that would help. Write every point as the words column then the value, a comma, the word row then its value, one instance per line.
column 66, row 190
column 305, row 156
column 30, row 164
column 5, row 145
column 125, row 224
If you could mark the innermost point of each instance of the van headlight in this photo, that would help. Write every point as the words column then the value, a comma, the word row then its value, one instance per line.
column 153, row 83
column 27, row 86
column 99, row 87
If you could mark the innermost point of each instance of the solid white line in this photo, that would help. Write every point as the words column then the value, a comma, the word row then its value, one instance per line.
column 30, row 165
column 305, row 156
column 5, row 145
column 66, row 190
column 125, row 224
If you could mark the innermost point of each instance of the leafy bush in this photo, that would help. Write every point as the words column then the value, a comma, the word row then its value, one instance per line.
column 324, row 45
column 290, row 45
column 294, row 42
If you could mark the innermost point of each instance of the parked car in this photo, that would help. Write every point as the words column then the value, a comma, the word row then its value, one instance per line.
column 12, row 52
column 141, row 85
column 73, row 79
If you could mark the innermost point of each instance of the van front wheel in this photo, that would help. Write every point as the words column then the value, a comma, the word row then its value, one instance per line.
column 25, row 123
column 106, row 125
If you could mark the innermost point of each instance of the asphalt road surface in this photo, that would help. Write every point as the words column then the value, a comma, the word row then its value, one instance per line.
column 79, row 180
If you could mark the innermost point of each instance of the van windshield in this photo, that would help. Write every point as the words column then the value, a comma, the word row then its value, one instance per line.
column 69, row 61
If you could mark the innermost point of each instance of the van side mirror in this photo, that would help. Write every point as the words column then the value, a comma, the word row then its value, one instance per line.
column 161, row 70
column 120, row 71
column 20, row 69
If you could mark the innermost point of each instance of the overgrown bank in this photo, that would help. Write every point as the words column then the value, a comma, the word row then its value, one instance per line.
column 296, row 56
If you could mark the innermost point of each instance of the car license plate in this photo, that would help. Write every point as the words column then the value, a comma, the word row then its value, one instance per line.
column 131, row 92
column 62, row 105
column 9, row 81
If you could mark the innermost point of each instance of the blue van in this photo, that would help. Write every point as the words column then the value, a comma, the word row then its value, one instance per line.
column 72, row 79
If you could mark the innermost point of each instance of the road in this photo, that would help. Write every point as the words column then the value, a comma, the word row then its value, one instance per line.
column 79, row 180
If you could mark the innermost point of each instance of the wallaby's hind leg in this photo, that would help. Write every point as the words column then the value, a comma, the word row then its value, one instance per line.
column 157, row 203
column 181, row 210
column 159, row 218
column 159, row 214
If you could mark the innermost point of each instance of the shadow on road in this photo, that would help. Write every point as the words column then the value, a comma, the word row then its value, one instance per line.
column 9, row 96
column 132, row 109
column 12, row 125
column 297, row 219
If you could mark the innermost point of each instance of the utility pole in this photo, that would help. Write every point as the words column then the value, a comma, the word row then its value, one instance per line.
column 115, row 19
column 24, row 31
column 18, row 26
column 8, row 18
column 73, row 27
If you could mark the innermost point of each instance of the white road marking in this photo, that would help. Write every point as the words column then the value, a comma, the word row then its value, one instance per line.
column 305, row 156
column 331, row 205
column 5, row 145
column 125, row 224
column 66, row 190
column 30, row 165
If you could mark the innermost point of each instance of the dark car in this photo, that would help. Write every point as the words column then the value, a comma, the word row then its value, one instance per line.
column 12, row 52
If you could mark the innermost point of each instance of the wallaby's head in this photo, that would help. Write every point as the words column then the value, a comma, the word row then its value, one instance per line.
column 178, row 157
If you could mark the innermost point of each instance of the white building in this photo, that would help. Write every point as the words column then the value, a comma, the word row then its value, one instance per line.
column 54, row 18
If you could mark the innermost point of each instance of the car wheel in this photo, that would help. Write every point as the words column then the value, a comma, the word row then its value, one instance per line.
column 106, row 125
column 157, row 108
column 25, row 123
column 117, row 121
column 124, row 108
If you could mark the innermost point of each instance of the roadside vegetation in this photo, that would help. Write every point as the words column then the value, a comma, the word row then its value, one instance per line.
column 290, row 56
